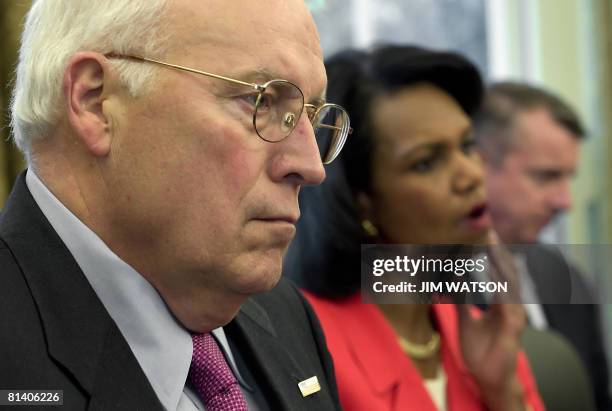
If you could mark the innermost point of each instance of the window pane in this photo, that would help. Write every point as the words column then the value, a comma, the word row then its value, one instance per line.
column 442, row 24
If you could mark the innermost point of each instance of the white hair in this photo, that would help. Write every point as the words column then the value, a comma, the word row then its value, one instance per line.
column 55, row 30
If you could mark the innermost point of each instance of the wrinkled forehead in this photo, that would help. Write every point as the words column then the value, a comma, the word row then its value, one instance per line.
column 274, row 36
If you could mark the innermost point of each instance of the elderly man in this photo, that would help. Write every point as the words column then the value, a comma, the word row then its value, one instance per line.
column 529, row 140
column 166, row 148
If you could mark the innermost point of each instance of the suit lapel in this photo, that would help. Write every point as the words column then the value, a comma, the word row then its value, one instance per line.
column 272, row 358
column 546, row 267
column 79, row 332
column 121, row 383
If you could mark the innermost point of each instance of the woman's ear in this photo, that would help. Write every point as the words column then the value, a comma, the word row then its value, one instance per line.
column 365, row 210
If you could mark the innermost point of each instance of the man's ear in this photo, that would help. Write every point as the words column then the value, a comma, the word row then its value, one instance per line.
column 86, row 79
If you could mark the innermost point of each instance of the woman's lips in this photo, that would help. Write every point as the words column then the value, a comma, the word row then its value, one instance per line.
column 478, row 219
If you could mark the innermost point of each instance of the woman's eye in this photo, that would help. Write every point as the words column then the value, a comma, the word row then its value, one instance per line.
column 423, row 165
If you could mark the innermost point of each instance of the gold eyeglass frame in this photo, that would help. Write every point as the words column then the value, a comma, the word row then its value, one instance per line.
column 312, row 111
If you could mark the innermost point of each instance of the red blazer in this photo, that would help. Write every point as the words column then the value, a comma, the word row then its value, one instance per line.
column 373, row 373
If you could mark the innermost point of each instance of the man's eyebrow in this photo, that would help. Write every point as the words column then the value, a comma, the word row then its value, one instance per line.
column 263, row 75
column 318, row 101
column 258, row 76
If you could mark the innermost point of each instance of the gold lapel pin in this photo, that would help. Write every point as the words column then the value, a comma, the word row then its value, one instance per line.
column 309, row 386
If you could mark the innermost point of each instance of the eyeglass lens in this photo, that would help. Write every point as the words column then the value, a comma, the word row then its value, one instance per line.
column 331, row 126
column 279, row 108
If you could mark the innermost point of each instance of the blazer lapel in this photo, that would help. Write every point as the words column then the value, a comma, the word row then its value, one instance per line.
column 388, row 371
column 272, row 358
column 79, row 332
column 121, row 383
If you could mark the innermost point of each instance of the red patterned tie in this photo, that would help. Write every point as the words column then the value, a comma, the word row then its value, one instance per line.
column 212, row 377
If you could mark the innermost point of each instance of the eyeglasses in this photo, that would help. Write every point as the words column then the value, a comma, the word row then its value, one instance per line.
column 277, row 107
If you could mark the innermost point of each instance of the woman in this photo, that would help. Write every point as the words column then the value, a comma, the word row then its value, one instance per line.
column 408, row 175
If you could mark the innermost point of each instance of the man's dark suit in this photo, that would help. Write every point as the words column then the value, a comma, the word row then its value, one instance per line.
column 557, row 281
column 56, row 334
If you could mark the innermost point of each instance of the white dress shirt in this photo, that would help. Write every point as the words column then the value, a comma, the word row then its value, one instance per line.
column 533, row 308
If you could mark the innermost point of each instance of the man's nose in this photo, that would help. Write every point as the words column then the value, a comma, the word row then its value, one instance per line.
column 300, row 159
column 561, row 196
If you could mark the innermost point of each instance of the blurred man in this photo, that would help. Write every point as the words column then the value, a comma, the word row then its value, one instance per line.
column 529, row 140
column 165, row 159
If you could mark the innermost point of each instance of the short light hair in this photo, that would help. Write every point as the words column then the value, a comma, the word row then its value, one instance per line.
column 55, row 30
column 495, row 121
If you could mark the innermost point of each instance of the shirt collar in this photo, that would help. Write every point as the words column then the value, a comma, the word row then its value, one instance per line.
column 161, row 345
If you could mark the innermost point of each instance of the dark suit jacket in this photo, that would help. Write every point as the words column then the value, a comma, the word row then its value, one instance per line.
column 556, row 280
column 56, row 334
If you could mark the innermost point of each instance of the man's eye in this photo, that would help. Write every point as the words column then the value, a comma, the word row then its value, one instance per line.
column 266, row 102
column 250, row 99
column 546, row 176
